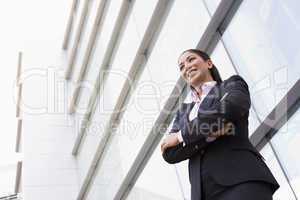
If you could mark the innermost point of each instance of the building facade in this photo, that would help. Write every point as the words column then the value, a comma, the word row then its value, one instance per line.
column 94, row 116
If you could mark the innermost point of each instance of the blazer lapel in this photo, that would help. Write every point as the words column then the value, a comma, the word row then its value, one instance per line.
column 210, row 98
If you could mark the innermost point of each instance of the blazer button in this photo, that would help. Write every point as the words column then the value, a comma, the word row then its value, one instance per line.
column 196, row 147
column 202, row 152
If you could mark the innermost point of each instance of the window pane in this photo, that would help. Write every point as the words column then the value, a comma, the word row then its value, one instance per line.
column 97, row 56
column 222, row 61
column 77, row 14
column 287, row 145
column 85, row 36
column 212, row 5
column 7, row 178
column 253, row 121
column 183, row 174
column 261, row 40
column 155, row 85
column 157, row 181
column 110, row 91
column 284, row 192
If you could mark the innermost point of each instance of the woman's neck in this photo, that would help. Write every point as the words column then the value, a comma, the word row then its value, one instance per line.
column 198, row 88
column 198, row 91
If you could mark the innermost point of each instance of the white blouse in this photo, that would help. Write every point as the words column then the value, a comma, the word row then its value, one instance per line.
column 206, row 87
column 193, row 97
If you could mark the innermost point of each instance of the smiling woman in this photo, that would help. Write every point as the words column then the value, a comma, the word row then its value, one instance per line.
column 198, row 58
column 195, row 69
column 212, row 132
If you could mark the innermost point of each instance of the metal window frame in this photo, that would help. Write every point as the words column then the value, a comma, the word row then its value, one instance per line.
column 78, row 37
column 10, row 197
column 113, row 44
column 19, row 128
column 18, row 177
column 282, row 112
column 287, row 106
column 18, row 84
column 266, row 139
column 96, row 31
column 18, row 110
column 20, row 56
column 208, row 41
column 70, row 24
column 19, row 136
column 157, row 20
column 19, row 98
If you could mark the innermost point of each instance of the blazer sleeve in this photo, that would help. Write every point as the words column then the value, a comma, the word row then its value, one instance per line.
column 231, row 109
column 181, row 152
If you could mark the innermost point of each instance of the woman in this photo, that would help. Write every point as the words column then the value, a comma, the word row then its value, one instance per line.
column 212, row 132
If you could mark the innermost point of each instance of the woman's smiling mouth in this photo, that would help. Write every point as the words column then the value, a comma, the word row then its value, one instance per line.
column 191, row 72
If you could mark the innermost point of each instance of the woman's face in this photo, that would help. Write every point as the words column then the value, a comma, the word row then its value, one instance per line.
column 194, row 69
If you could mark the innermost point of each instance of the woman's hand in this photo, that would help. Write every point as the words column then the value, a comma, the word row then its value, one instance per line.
column 170, row 141
column 173, row 139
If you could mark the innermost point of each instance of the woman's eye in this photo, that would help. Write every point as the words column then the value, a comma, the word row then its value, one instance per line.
column 191, row 59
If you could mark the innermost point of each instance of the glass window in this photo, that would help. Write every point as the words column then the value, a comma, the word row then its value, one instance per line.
column 98, row 121
column 182, row 171
column 176, row 176
column 253, row 121
column 97, row 56
column 222, row 61
column 159, row 180
column 85, row 37
column 284, row 192
column 75, row 25
column 286, row 143
column 110, row 91
column 212, row 5
column 154, row 87
column 7, row 178
column 261, row 40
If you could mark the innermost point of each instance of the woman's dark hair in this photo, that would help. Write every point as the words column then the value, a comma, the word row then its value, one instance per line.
column 213, row 71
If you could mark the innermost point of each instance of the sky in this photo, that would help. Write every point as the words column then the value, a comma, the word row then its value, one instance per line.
column 27, row 26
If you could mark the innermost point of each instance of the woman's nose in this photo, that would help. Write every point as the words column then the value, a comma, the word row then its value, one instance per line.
column 188, row 66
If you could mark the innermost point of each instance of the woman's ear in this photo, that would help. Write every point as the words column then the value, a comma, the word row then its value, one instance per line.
column 210, row 64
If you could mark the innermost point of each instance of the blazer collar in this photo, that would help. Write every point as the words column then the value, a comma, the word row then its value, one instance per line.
column 209, row 100
column 207, row 88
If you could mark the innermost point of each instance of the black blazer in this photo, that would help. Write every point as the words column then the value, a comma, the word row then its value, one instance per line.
column 230, row 159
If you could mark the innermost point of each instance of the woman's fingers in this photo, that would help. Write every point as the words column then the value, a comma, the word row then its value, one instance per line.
column 170, row 141
column 228, row 127
column 163, row 145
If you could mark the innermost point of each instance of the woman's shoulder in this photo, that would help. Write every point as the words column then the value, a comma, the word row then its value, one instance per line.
column 235, row 79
